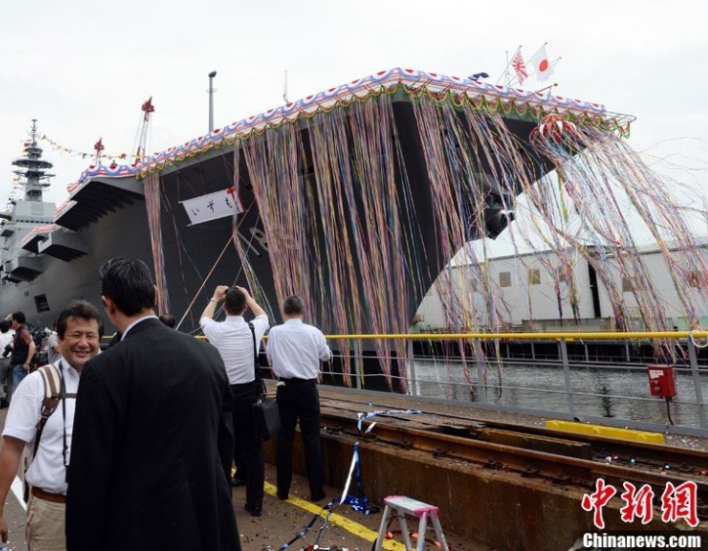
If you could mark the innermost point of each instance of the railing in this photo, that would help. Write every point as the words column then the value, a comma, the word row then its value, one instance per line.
column 613, row 392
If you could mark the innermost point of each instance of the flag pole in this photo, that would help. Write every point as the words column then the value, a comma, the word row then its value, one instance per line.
column 541, row 48
column 505, row 72
column 285, row 87
column 546, row 88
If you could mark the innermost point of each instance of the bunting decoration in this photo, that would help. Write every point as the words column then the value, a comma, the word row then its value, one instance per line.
column 120, row 158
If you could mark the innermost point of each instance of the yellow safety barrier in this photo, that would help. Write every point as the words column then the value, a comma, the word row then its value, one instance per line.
column 610, row 432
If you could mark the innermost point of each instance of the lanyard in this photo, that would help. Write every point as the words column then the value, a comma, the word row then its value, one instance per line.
column 62, row 398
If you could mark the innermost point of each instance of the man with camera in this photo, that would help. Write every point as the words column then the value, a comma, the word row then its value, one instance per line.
column 6, row 336
column 235, row 342
column 23, row 349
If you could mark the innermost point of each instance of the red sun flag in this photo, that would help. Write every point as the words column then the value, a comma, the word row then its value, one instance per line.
column 542, row 64
column 517, row 62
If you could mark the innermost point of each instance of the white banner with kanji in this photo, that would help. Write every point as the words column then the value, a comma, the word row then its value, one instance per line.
column 212, row 206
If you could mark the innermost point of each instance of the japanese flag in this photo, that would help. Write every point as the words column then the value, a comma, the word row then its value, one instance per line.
column 542, row 64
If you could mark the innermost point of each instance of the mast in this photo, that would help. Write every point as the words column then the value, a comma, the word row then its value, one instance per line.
column 211, row 101
column 33, row 169
column 147, row 108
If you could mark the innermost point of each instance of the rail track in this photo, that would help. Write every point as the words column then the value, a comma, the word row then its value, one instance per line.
column 560, row 458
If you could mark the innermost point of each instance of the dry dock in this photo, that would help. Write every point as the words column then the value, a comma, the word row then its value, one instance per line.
column 502, row 481
column 505, row 486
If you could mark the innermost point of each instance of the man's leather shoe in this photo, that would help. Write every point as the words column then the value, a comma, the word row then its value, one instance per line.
column 282, row 496
column 255, row 511
column 318, row 497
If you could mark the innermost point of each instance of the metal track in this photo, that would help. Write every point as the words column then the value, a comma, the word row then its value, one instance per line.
column 559, row 457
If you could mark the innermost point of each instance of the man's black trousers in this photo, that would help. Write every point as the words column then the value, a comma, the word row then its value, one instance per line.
column 246, row 445
column 299, row 399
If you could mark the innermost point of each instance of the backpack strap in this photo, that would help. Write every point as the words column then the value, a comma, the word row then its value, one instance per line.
column 52, row 394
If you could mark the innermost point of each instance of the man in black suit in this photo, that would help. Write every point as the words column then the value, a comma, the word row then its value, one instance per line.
column 152, row 436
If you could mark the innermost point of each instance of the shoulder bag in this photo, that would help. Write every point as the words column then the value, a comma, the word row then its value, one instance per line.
column 266, row 419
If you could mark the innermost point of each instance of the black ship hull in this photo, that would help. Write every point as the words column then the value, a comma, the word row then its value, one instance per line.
column 363, row 260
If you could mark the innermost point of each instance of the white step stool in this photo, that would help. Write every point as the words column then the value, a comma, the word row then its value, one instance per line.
column 406, row 506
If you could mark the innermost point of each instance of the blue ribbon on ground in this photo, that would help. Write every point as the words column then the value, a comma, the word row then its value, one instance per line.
column 358, row 503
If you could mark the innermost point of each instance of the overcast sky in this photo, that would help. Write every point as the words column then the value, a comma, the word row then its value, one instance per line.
column 83, row 69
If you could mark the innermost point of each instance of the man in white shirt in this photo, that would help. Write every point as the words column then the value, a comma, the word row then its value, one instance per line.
column 295, row 351
column 79, row 331
column 234, row 341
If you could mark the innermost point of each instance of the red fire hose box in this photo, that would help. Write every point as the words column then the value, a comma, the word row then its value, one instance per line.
column 661, row 380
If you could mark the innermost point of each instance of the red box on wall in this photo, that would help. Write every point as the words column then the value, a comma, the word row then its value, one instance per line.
column 661, row 380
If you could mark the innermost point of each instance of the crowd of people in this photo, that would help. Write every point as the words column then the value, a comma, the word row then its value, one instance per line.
column 134, row 447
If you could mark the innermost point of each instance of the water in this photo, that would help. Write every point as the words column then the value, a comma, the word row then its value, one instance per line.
column 615, row 392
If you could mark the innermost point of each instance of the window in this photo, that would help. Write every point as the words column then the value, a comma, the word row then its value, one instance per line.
column 473, row 285
column 40, row 301
column 534, row 276
column 627, row 286
column 505, row 279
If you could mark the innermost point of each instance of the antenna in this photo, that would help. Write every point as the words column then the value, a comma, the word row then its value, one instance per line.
column 211, row 101
column 285, row 88
column 34, row 132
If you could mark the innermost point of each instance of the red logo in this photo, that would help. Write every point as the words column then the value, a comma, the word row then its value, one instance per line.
column 677, row 502
column 597, row 500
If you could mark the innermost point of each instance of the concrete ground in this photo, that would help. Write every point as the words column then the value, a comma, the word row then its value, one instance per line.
column 281, row 521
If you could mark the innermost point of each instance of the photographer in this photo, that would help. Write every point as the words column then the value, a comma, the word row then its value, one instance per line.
column 6, row 336
column 23, row 349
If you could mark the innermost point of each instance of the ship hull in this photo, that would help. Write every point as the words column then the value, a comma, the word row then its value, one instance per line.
column 356, row 205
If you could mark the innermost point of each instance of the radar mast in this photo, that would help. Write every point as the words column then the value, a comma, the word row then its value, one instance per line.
column 33, row 169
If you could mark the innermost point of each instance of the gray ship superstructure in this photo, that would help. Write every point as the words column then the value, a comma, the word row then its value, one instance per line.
column 46, row 265
column 19, row 266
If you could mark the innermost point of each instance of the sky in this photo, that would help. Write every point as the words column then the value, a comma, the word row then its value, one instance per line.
column 83, row 69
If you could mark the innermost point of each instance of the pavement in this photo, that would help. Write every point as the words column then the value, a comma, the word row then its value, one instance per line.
column 346, row 528
column 282, row 521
